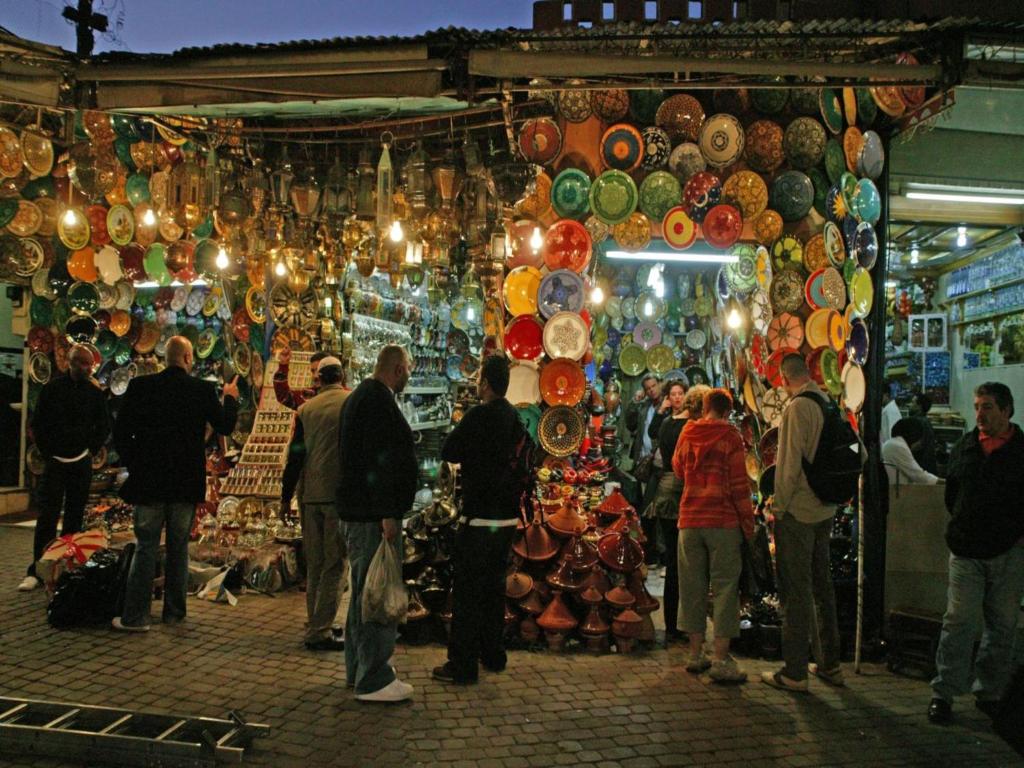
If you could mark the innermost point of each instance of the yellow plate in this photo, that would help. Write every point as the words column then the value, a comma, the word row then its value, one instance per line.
column 76, row 234
column 836, row 330
column 862, row 292
column 520, row 290
column 816, row 328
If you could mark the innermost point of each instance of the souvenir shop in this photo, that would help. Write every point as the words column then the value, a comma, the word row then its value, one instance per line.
column 593, row 229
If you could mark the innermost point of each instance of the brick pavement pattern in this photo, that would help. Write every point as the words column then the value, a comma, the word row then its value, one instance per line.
column 546, row 710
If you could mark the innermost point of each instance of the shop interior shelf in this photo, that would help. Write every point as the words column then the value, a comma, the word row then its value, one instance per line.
column 989, row 316
column 425, row 390
column 979, row 291
column 429, row 425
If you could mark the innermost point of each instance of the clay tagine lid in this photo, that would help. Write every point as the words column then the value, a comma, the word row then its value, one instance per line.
column 620, row 552
column 562, row 578
column 535, row 543
column 627, row 624
column 532, row 604
column 567, row 521
column 645, row 602
column 581, row 553
column 594, row 625
column 591, row 596
column 597, row 579
column 556, row 617
column 518, row 585
column 619, row 597
column 614, row 505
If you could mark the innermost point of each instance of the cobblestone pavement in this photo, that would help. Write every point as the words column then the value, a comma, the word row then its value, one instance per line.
column 546, row 710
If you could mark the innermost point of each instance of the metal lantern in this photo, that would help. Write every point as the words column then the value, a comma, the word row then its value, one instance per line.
column 281, row 181
column 416, row 180
column 212, row 179
column 336, row 198
column 364, row 186
column 186, row 193
column 305, row 193
column 385, row 188
column 256, row 185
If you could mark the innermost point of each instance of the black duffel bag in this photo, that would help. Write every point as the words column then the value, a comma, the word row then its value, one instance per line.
column 93, row 593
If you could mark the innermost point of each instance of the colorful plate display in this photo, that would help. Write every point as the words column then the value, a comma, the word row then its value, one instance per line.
column 524, row 338
column 523, row 383
column 566, row 335
column 613, row 197
column 561, row 430
column 659, row 193
column 721, row 140
column 661, row 359
column 540, row 140
column 632, row 359
column 520, row 290
column 567, row 245
column 560, row 291
column 862, row 292
column 562, row 382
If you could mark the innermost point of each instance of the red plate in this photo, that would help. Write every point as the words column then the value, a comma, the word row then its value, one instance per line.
column 785, row 330
column 540, row 141
column 722, row 226
column 567, row 245
column 524, row 338
column 773, row 369
column 40, row 340
column 759, row 354
column 132, row 256
column 678, row 229
column 97, row 216
column 562, row 382
column 814, row 365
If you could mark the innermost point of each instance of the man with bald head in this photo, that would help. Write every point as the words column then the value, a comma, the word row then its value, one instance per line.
column 70, row 423
column 160, row 435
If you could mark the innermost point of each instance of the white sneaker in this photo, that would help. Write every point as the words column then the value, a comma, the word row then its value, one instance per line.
column 29, row 583
column 121, row 627
column 396, row 690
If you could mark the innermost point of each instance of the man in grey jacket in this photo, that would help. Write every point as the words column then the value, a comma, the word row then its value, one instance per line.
column 313, row 458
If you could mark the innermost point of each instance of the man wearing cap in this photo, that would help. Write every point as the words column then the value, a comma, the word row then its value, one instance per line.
column 69, row 424
column 313, row 458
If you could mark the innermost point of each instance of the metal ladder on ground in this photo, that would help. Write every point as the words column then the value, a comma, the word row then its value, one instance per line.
column 123, row 737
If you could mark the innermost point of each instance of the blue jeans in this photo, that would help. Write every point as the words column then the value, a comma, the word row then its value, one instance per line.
column 149, row 522
column 369, row 645
column 985, row 595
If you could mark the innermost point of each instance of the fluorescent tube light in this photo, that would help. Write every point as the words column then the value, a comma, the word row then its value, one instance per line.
column 687, row 257
column 173, row 284
column 951, row 197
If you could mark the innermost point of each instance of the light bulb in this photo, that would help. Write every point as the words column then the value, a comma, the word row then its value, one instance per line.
column 648, row 309
column 149, row 218
column 915, row 254
column 70, row 217
column 536, row 240
column 596, row 295
column 222, row 258
column 961, row 236
column 396, row 233
column 659, row 289
column 280, row 269
column 470, row 314
column 734, row 320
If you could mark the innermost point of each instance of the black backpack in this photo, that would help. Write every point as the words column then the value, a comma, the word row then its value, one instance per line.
column 835, row 470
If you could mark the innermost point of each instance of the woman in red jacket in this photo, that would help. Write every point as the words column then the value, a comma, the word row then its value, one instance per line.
column 714, row 515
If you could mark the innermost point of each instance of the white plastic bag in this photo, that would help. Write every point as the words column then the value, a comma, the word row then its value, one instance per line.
column 384, row 597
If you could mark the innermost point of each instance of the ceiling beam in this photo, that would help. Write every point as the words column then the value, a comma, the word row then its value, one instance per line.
column 936, row 212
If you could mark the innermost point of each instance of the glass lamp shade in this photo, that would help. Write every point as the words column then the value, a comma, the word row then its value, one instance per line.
column 305, row 194
column 185, row 201
column 336, row 200
column 385, row 189
column 256, row 185
column 281, row 181
column 416, row 180
column 365, row 208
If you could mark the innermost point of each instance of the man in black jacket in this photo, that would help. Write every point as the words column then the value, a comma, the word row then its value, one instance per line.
column 160, row 434
column 482, row 444
column 985, row 499
column 69, row 424
column 376, row 488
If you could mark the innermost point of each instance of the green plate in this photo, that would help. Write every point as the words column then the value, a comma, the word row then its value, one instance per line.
column 835, row 160
column 8, row 210
column 106, row 343
column 122, row 351
column 136, row 189
column 659, row 193
column 613, row 196
column 831, row 109
column 570, row 194
column 41, row 312
column 83, row 298
column 632, row 359
column 848, row 185
column 821, row 187
column 830, row 372
column 867, row 109
column 155, row 264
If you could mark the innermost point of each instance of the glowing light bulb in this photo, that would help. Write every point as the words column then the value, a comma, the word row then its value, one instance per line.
column 915, row 254
column 280, row 269
column 222, row 258
column 961, row 236
column 536, row 240
column 149, row 218
column 470, row 314
column 659, row 289
column 597, row 295
column 734, row 320
column 70, row 217
column 396, row 233
column 648, row 309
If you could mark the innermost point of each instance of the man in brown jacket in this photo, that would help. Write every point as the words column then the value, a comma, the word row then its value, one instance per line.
column 803, row 526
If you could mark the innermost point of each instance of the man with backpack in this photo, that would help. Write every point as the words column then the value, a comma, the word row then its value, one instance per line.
column 803, row 525
column 495, row 454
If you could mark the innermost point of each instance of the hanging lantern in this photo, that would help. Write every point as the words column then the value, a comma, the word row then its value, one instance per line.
column 212, row 179
column 336, row 198
column 416, row 180
column 471, row 154
column 385, row 187
column 256, row 185
column 364, row 186
column 281, row 181
column 186, row 186
column 233, row 205
column 305, row 194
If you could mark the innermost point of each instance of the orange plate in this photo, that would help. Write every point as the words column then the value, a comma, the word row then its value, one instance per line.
column 562, row 382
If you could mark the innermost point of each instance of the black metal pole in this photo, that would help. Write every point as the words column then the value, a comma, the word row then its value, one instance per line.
column 876, row 486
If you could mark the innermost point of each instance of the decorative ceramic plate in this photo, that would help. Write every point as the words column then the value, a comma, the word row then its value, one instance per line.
column 857, row 342
column 831, row 109
column 540, row 140
column 763, row 150
column 613, row 197
column 837, row 328
column 814, row 292
column 748, row 192
column 561, row 430
column 816, row 328
column 768, row 227
column 567, row 245
column 686, row 161
column 647, row 334
column 853, row 143
column 772, row 406
column 574, row 104
column 787, row 252
column 678, row 229
column 657, row 147
column 721, row 140
column 804, row 142
column 520, row 290
column 787, row 291
column 722, row 226
column 634, row 233
column 696, row 339
column 661, row 359
column 864, row 247
column 681, row 116
column 862, row 292
column 872, row 156
column 761, row 314
column 889, row 100
column 570, row 194
column 763, row 268
column 74, row 234
column 835, row 248
column 659, row 193
column 632, row 359
column 524, row 338
column 741, row 275
column 562, row 382
column 292, row 338
column 835, row 160
column 854, row 386
column 566, row 335
column 833, row 288
column 785, row 330
column 610, row 105
column 560, row 291
column 830, row 372
column 792, row 195
column 523, row 384
column 867, row 202
column 622, row 147
column 81, row 329
column 83, row 298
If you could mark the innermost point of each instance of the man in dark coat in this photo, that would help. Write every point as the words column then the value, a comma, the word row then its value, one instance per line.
column 483, row 443
column 376, row 488
column 160, row 434
column 985, row 499
column 70, row 423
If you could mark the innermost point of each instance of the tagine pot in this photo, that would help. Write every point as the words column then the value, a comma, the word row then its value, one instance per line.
column 645, row 602
column 518, row 585
column 619, row 598
column 562, row 577
column 614, row 505
column 620, row 552
column 535, row 542
column 532, row 604
column 556, row 621
column 581, row 553
column 567, row 521
column 528, row 629
column 626, row 629
column 597, row 579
